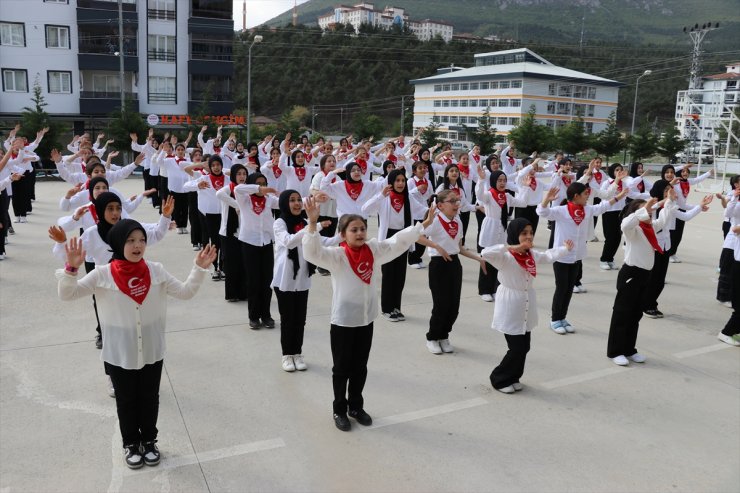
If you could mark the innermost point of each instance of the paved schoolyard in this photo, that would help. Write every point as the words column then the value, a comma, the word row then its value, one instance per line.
column 232, row 420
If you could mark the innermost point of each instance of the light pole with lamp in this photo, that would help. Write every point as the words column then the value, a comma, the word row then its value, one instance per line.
column 634, row 107
column 257, row 39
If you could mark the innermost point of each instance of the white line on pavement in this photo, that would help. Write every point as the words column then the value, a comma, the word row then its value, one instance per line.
column 426, row 413
column 701, row 350
column 584, row 377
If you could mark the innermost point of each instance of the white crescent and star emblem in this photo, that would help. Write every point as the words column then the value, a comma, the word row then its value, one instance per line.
column 134, row 282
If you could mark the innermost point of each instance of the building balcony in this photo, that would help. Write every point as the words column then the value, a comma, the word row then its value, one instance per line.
column 161, row 56
column 98, row 61
column 127, row 5
column 162, row 97
column 161, row 15
column 102, row 102
column 211, row 67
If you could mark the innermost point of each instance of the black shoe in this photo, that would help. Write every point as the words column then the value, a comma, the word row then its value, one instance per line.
column 99, row 341
column 342, row 422
column 268, row 323
column 361, row 417
column 151, row 453
column 255, row 324
column 653, row 313
column 132, row 456
column 322, row 271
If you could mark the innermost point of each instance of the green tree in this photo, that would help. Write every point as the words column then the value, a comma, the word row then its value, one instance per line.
column 530, row 136
column 609, row 142
column 572, row 137
column 199, row 118
column 295, row 119
column 671, row 144
column 430, row 134
column 123, row 123
column 643, row 143
column 485, row 135
column 35, row 118
column 365, row 125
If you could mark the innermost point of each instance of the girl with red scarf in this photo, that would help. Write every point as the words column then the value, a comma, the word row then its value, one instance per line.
column 683, row 188
column 234, row 270
column 132, row 294
column 355, row 274
column 516, row 263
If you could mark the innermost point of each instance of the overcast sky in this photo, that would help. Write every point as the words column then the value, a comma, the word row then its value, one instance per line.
column 259, row 11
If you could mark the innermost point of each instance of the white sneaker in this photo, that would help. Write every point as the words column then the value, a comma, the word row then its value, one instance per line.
column 2, row 256
column 728, row 339
column 557, row 327
column 568, row 327
column 399, row 316
column 288, row 364
column 417, row 266
column 517, row 386
column 621, row 360
column 582, row 289
column 300, row 365
column 486, row 297
column 446, row 347
column 674, row 259
column 507, row 390
column 391, row 317
column 613, row 266
column 111, row 390
column 577, row 289
column 433, row 347
column 728, row 304
column 638, row 358
column 604, row 266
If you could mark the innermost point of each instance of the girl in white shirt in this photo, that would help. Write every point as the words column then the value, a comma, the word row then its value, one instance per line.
column 640, row 244
column 176, row 179
column 298, row 173
column 352, row 192
column 256, row 237
column 355, row 268
column 683, row 187
column 291, row 277
column 234, row 265
column 421, row 188
column 443, row 236
column 515, row 312
column 395, row 209
column 133, row 302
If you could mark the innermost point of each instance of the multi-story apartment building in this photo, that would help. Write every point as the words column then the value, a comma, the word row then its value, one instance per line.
column 365, row 13
column 508, row 83
column 173, row 50
column 700, row 112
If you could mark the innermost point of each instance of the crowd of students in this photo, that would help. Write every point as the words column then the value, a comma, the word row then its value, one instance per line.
column 266, row 216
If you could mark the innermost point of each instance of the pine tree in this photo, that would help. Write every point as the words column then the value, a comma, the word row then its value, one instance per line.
column 609, row 142
column 35, row 118
column 530, row 136
column 643, row 143
column 122, row 123
column 366, row 125
column 671, row 144
column 485, row 135
column 572, row 137
column 430, row 134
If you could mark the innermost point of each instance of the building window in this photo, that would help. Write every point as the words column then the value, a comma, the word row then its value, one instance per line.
column 15, row 80
column 483, row 103
column 516, row 103
column 452, row 135
column 503, row 102
column 464, row 86
column 455, row 87
column 514, row 121
column 563, row 109
column 161, row 48
column 516, row 84
column 504, row 84
column 57, row 37
column 454, row 103
column 484, row 85
column 551, row 107
column 494, row 84
column 591, row 110
column 161, row 10
column 591, row 93
column 589, row 128
column 437, row 87
column 162, row 90
column 445, row 87
column 473, row 86
column 501, row 120
column 445, row 103
column 445, row 119
column 731, row 84
column 435, row 119
column 579, row 109
column 580, row 91
column 463, row 103
column 453, row 119
column 463, row 119
column 519, row 57
column 106, row 84
column 550, row 123
column 565, row 90
column 437, row 103
column 551, row 91
column 218, row 9
column 12, row 34
column 60, row 82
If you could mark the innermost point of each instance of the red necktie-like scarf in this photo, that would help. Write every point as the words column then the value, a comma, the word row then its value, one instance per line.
column 525, row 261
column 361, row 261
column 451, row 227
column 132, row 278
column 598, row 177
column 217, row 181
column 685, row 188
column 258, row 203
column 397, row 200
column 499, row 197
column 300, row 172
column 353, row 189
column 577, row 212
column 647, row 229
column 422, row 185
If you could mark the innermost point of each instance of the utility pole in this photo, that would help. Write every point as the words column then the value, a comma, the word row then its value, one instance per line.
column 313, row 118
column 403, row 111
column 121, row 54
column 295, row 13
column 341, row 120
column 697, row 37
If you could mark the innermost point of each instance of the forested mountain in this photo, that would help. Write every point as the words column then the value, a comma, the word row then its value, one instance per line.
column 302, row 66
column 559, row 21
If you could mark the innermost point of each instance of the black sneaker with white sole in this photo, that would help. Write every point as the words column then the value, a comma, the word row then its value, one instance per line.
column 151, row 453
column 132, row 456
column 361, row 417
column 653, row 313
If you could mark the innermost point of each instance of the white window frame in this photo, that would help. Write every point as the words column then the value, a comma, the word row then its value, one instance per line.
column 162, row 86
column 156, row 42
column 62, row 75
column 7, row 35
column 111, row 83
column 59, row 30
column 14, row 71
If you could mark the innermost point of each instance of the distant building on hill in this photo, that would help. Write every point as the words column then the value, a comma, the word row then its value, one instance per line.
column 365, row 13
column 508, row 83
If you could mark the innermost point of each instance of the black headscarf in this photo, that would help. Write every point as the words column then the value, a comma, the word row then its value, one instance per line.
column 406, row 204
column 119, row 233
column 252, row 179
column 101, row 203
column 291, row 221
column 515, row 229
column 295, row 153
column 633, row 169
column 504, row 210
column 430, row 168
column 93, row 182
column 666, row 168
column 658, row 190
column 232, row 220
column 348, row 172
column 387, row 163
column 612, row 169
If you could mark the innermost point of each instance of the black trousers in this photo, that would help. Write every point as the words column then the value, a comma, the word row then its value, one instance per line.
column 724, row 283
column 415, row 256
column 32, row 185
column 479, row 217
column 579, row 274
column 180, row 215
column 137, row 401
column 656, row 281
column 235, row 287
column 612, row 235
column 733, row 325
column 350, row 350
column 511, row 368
column 565, row 279
column 551, row 227
column 394, row 280
column 488, row 282
column 152, row 182
column 627, row 311
column 89, row 267
column 597, row 201
column 22, row 195
column 465, row 220
column 259, row 260
column 331, row 229
column 529, row 213
column 725, row 229
column 292, row 306
column 445, row 282
column 677, row 235
column 164, row 191
column 212, row 223
column 198, row 233
column 5, row 223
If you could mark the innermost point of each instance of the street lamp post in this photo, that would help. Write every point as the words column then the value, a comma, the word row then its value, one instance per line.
column 257, row 39
column 634, row 107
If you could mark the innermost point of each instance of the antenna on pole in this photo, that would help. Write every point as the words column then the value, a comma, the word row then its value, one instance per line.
column 295, row 13
column 244, row 15
column 697, row 34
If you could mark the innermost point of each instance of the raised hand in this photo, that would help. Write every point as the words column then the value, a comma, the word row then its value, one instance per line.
column 203, row 128
column 15, row 176
column 205, row 257
column 57, row 234
column 266, row 190
column 650, row 203
column 387, row 190
column 568, row 244
column 135, row 137
column 552, row 194
column 169, row 206
column 81, row 211
column 202, row 185
column 150, row 192
column 312, row 209
column 73, row 191
column 707, row 200
column 75, row 252
column 139, row 158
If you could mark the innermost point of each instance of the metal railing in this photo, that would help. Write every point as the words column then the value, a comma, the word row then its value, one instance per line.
column 106, row 95
column 161, row 15
column 161, row 56
column 162, row 97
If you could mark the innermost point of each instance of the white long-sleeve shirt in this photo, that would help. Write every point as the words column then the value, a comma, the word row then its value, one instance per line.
column 255, row 229
column 637, row 250
column 354, row 302
column 388, row 217
column 207, row 201
column 345, row 204
column 224, row 195
column 282, row 271
column 492, row 232
column 133, row 334
column 567, row 229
